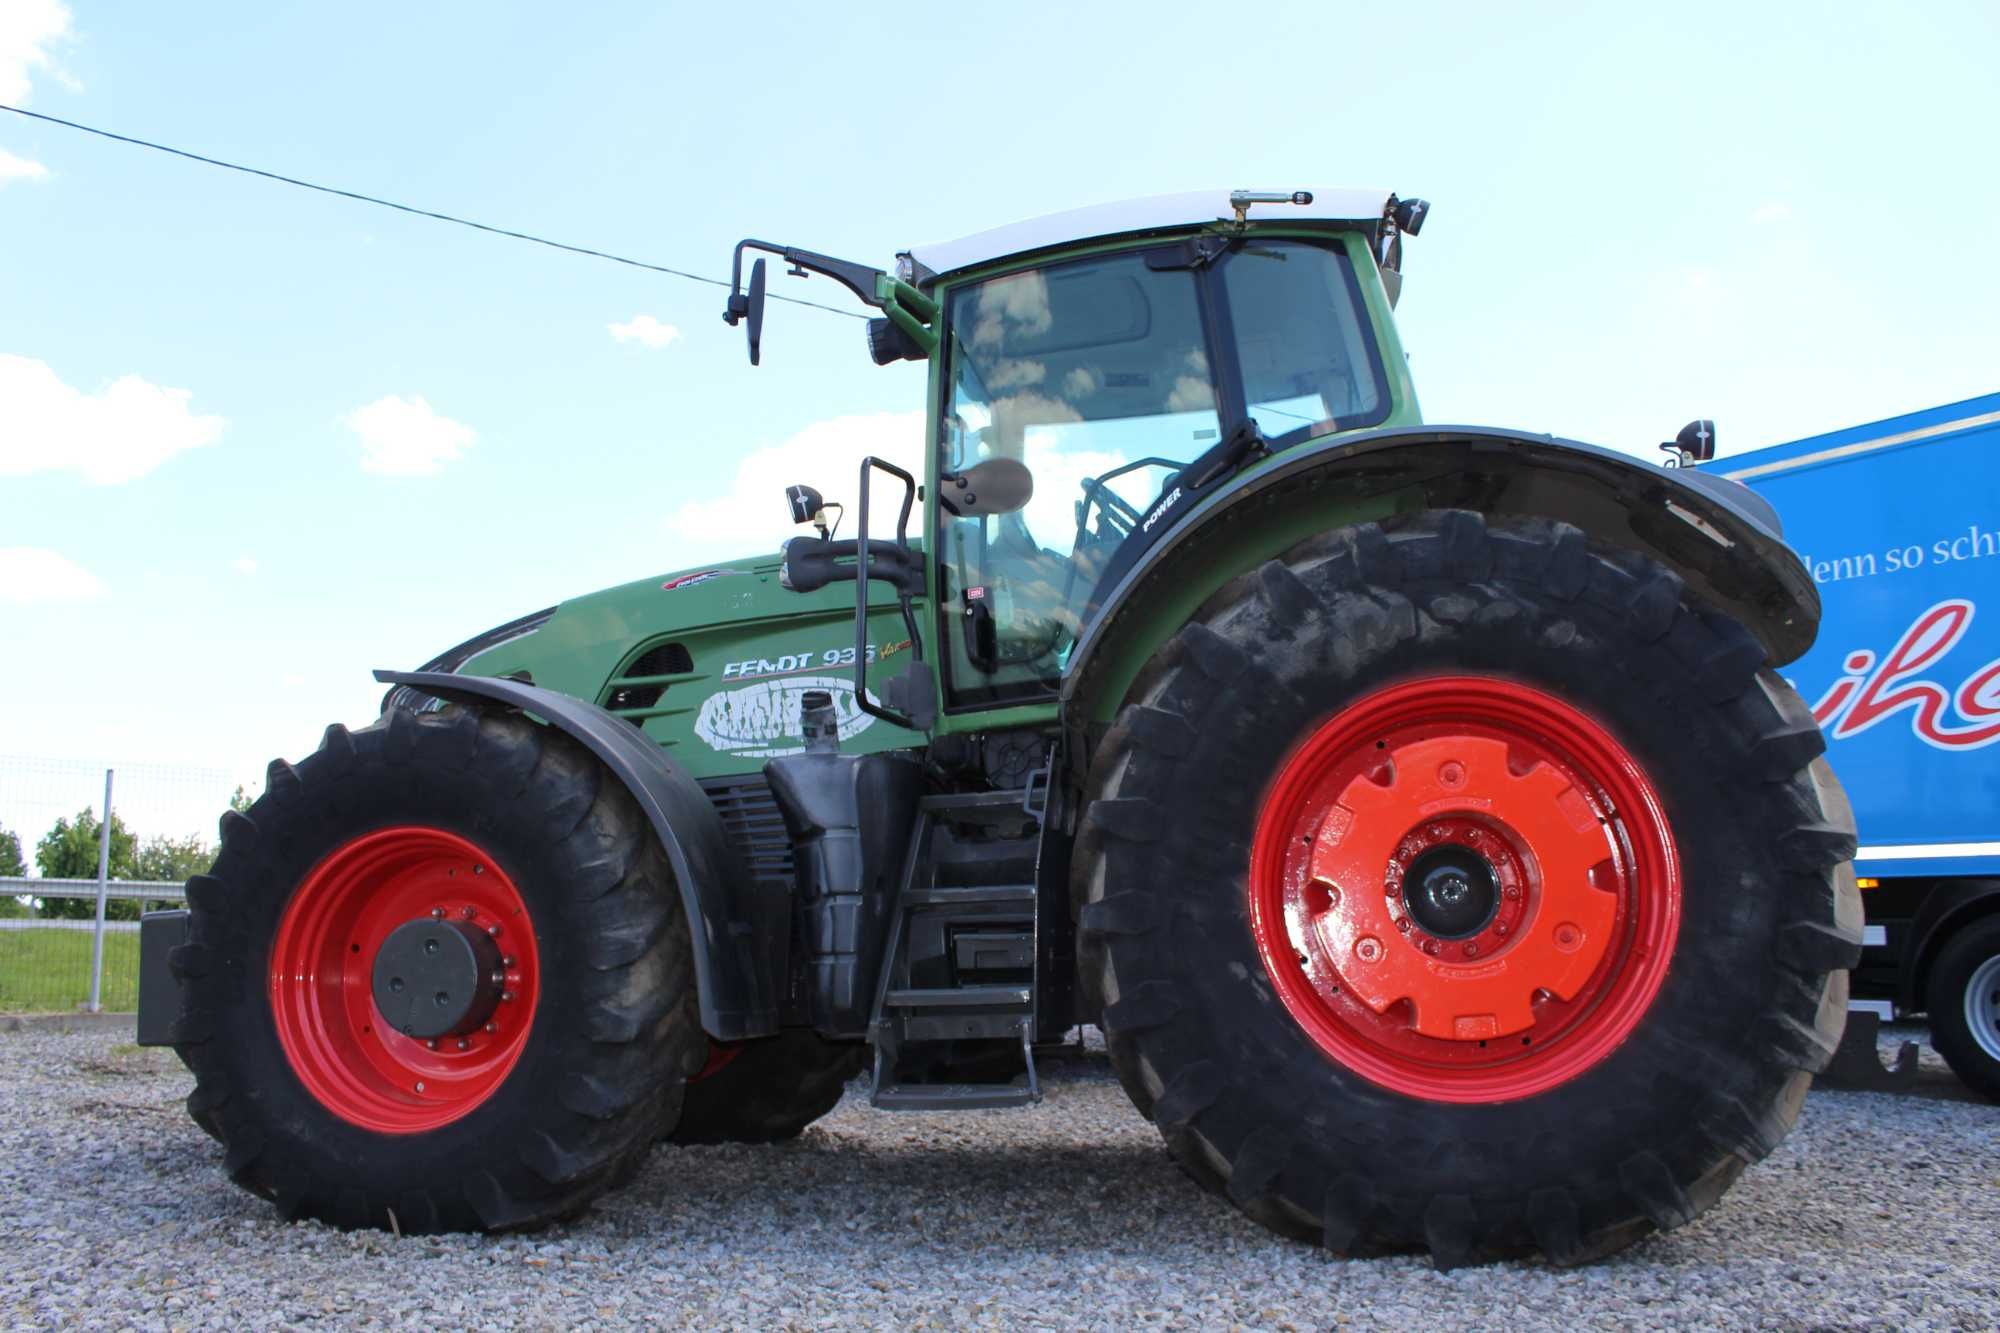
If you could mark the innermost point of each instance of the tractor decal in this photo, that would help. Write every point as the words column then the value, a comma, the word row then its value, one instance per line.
column 762, row 720
column 699, row 577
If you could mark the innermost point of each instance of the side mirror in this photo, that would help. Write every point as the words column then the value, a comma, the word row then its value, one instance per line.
column 990, row 486
column 1695, row 443
column 754, row 312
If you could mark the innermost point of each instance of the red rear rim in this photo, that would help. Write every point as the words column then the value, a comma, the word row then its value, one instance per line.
column 323, row 973
column 1464, row 889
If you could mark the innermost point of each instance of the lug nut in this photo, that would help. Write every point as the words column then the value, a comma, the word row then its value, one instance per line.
column 493, row 931
column 1500, row 928
column 507, row 961
column 498, row 978
column 479, row 870
column 1431, row 947
column 470, row 912
column 437, row 913
column 507, row 995
column 1472, row 951
column 464, row 1045
column 431, row 1044
column 420, row 1085
column 492, row 1027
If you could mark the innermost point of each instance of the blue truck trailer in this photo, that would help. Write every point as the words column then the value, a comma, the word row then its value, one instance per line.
column 1899, row 523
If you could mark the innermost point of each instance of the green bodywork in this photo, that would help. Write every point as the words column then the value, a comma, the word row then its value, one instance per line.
column 751, row 645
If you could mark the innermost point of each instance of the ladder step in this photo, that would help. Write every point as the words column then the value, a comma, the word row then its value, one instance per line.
column 1011, row 799
column 959, row 997
column 953, row 1096
column 969, row 895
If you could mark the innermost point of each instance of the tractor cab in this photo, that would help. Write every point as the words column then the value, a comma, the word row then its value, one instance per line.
column 1094, row 376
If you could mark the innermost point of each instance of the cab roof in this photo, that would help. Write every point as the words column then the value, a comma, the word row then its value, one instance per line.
column 1126, row 217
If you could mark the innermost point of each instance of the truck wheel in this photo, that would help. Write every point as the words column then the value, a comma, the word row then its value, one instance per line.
column 1963, row 996
column 1464, row 885
column 438, row 979
column 767, row 1090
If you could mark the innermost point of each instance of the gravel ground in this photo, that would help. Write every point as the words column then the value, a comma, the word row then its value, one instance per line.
column 1880, row 1210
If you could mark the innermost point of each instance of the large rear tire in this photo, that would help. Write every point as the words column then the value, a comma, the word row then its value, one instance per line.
column 1466, row 886
column 438, row 979
column 768, row 1090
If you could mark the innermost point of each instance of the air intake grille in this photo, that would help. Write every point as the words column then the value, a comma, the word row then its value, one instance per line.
column 633, row 692
column 750, row 817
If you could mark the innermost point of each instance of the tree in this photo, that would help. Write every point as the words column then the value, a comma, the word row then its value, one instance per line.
column 11, row 864
column 241, row 800
column 69, row 851
column 174, row 859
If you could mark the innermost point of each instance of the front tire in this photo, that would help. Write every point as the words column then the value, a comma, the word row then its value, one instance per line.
column 1963, row 996
column 438, row 979
column 1632, row 957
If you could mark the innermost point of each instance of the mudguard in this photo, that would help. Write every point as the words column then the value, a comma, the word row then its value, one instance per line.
column 738, row 956
column 1722, row 538
column 1950, row 906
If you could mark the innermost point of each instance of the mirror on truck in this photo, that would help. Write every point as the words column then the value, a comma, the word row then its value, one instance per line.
column 990, row 486
column 753, row 325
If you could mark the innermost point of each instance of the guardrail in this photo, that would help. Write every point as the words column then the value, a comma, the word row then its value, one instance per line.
column 143, row 890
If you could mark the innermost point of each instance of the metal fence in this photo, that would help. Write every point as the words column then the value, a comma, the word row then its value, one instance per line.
column 69, row 935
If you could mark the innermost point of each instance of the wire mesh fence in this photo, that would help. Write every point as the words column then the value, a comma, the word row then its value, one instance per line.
column 73, row 883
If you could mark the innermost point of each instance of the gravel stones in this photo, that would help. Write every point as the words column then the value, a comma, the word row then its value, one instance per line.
column 1879, row 1210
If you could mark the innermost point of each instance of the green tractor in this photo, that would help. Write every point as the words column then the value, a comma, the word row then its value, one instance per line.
column 1417, row 810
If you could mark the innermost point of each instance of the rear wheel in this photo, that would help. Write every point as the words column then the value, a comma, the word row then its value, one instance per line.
column 767, row 1090
column 438, row 979
column 1466, row 887
column 1963, row 996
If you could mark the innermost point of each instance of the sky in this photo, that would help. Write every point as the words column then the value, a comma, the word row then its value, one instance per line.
column 255, row 442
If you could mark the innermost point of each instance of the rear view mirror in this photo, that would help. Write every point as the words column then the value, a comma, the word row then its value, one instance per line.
column 754, row 315
column 990, row 486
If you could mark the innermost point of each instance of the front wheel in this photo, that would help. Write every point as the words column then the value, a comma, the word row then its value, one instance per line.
column 1466, row 886
column 438, row 979
column 1963, row 996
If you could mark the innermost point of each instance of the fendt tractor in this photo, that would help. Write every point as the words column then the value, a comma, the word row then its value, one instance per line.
column 1417, row 810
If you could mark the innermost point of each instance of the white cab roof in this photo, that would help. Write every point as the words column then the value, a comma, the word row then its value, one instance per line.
column 1139, row 215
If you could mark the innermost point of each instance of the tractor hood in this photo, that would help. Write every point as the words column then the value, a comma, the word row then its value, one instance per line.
column 709, row 661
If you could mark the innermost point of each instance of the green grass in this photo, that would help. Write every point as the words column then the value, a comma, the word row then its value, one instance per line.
column 48, row 971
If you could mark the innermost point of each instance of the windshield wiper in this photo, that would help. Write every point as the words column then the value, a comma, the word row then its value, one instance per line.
column 1241, row 445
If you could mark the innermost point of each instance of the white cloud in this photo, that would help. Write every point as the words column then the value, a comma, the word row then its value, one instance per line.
column 244, row 564
column 29, row 30
column 1771, row 212
column 14, row 168
column 750, row 515
column 644, row 330
column 122, row 432
column 404, row 437
column 30, row 574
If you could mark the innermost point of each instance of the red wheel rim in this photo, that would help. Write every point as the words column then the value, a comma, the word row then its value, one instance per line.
column 322, row 963
column 1405, row 813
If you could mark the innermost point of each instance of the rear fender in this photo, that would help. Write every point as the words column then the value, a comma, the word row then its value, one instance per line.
column 1723, row 539
column 738, row 952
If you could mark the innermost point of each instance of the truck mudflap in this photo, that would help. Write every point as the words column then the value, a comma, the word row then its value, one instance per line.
column 160, row 933
column 740, row 932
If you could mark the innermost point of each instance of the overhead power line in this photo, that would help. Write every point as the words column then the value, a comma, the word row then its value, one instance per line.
column 408, row 208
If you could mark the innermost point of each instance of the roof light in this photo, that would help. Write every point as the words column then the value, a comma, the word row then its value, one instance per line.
column 1865, row 882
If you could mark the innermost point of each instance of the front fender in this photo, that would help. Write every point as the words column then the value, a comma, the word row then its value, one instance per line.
column 1723, row 539
column 738, row 957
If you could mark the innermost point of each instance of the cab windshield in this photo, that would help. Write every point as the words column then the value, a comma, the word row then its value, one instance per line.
column 1100, row 376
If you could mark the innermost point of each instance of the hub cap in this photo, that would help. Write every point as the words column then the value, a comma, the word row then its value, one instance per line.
column 404, row 979
column 1464, row 889
column 1982, row 1006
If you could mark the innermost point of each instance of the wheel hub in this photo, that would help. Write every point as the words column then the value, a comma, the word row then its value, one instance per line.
column 1464, row 888
column 436, row 978
column 404, row 979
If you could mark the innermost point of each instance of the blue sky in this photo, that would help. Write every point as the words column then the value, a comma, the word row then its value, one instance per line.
column 1777, row 216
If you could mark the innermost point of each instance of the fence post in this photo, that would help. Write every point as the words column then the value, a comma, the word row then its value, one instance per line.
column 103, row 885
